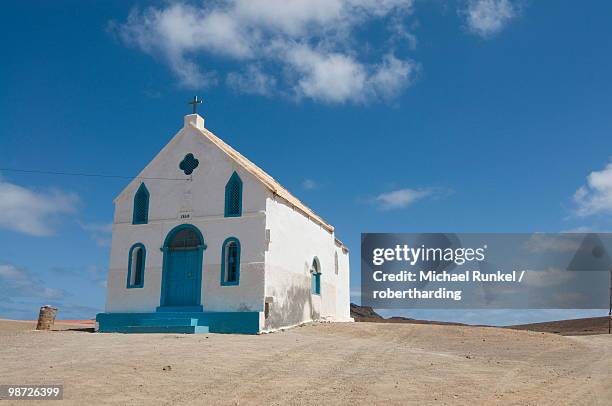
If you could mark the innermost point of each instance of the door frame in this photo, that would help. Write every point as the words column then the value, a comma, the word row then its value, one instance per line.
column 166, row 265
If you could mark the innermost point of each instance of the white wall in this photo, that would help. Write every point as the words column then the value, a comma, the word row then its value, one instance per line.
column 204, row 196
column 247, row 296
column 294, row 242
column 343, row 301
column 278, row 269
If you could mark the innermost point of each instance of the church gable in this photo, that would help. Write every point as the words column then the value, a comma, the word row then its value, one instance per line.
column 192, row 175
column 194, row 137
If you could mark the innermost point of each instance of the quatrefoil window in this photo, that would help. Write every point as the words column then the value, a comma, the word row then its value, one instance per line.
column 188, row 164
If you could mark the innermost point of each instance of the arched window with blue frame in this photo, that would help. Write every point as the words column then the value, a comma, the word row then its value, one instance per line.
column 233, row 196
column 315, row 273
column 230, row 262
column 136, row 266
column 141, row 206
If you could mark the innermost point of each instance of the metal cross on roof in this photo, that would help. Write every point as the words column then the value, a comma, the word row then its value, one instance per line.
column 195, row 103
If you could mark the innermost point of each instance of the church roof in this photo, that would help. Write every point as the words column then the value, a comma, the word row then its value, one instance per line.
column 273, row 185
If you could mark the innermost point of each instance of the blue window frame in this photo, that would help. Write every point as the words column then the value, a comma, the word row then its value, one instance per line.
column 233, row 196
column 315, row 272
column 141, row 206
column 230, row 262
column 136, row 266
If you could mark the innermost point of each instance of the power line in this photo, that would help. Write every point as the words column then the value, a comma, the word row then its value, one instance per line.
column 89, row 175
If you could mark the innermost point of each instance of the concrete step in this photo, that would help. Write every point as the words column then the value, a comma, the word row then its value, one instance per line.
column 165, row 329
column 166, row 321
column 217, row 322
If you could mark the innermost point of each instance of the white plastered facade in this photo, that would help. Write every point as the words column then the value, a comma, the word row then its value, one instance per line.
column 278, row 240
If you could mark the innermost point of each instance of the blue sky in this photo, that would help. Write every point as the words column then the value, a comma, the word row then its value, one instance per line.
column 383, row 116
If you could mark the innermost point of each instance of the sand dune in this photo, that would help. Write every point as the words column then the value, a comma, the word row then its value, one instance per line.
column 354, row 363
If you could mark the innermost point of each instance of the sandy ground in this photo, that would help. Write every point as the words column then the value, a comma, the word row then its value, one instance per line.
column 354, row 363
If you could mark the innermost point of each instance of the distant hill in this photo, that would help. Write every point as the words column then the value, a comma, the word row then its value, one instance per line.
column 586, row 326
column 366, row 313
column 589, row 325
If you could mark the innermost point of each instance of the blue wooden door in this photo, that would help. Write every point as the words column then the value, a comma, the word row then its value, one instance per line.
column 182, row 279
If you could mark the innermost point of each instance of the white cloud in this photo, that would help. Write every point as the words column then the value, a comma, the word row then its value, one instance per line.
column 337, row 78
column 595, row 196
column 331, row 77
column 400, row 32
column 392, row 76
column 552, row 243
column 402, row 198
column 580, row 230
column 99, row 232
column 306, row 45
column 547, row 278
column 99, row 276
column 253, row 80
column 355, row 295
column 488, row 17
column 17, row 282
column 33, row 212
column 105, row 228
column 290, row 17
column 309, row 184
column 94, row 274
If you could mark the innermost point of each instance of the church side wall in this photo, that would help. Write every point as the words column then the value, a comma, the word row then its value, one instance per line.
column 343, row 302
column 294, row 242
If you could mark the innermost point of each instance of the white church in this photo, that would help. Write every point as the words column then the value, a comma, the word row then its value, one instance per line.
column 205, row 241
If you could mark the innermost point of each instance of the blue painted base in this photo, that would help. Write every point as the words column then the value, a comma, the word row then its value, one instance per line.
column 167, row 329
column 179, row 322
column 179, row 309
